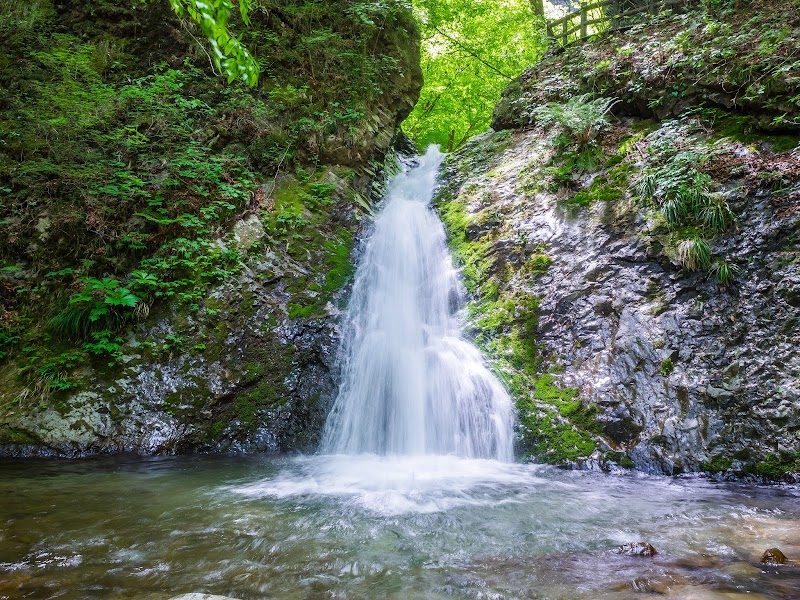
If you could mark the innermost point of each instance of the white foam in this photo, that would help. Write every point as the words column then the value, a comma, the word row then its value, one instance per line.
column 393, row 485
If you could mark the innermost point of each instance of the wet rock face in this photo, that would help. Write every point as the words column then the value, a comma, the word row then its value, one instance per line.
column 238, row 376
column 676, row 370
column 251, row 370
column 619, row 317
column 680, row 372
column 249, row 365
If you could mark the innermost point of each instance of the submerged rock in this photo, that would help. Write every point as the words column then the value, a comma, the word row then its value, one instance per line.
column 636, row 549
column 773, row 556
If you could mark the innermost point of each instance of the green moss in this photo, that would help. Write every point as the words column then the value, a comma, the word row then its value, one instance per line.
column 188, row 402
column 298, row 285
column 248, row 404
column 776, row 466
column 744, row 129
column 483, row 152
column 548, row 438
column 783, row 143
column 340, row 266
column 300, row 311
column 620, row 458
column 12, row 435
column 216, row 429
column 554, row 425
column 329, row 255
column 508, row 331
column 473, row 255
column 666, row 367
column 490, row 291
column 497, row 315
column 597, row 192
column 718, row 464
column 645, row 126
column 538, row 264
column 546, row 389
column 253, row 371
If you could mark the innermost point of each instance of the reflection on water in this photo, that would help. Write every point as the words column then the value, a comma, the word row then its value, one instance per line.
column 389, row 527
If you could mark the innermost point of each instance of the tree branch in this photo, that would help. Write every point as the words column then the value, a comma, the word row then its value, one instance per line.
column 471, row 53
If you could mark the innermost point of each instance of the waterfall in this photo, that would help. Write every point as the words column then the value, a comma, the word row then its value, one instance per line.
column 411, row 384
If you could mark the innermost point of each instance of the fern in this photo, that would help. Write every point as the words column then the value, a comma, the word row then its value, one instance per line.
column 583, row 119
column 674, row 210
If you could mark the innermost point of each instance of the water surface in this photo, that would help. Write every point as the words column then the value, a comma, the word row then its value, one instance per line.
column 382, row 527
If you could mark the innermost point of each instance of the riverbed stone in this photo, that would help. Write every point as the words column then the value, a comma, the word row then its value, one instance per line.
column 637, row 549
column 773, row 556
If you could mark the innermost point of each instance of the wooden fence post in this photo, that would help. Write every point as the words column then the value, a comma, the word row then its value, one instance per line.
column 611, row 14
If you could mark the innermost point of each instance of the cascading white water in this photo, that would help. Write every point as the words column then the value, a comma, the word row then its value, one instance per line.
column 411, row 384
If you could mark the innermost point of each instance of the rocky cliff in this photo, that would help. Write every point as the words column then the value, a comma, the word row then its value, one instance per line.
column 175, row 248
column 630, row 235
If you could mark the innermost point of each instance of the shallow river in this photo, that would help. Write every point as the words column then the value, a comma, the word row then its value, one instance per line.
column 361, row 527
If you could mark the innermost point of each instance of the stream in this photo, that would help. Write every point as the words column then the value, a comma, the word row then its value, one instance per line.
column 382, row 527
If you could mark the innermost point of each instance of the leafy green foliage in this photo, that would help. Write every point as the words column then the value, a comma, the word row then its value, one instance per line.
column 675, row 181
column 228, row 53
column 99, row 302
column 581, row 121
column 684, row 194
column 470, row 51
column 54, row 372
column 725, row 272
column 120, row 177
column 581, row 118
column 666, row 367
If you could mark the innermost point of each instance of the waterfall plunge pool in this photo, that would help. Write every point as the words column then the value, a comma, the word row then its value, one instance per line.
column 422, row 503
column 362, row 526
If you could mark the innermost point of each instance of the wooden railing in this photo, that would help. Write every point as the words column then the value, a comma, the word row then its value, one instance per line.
column 607, row 15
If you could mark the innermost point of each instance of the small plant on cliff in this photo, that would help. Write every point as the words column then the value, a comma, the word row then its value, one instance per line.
column 684, row 196
column 725, row 272
column 666, row 367
column 100, row 302
column 581, row 118
column 694, row 254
